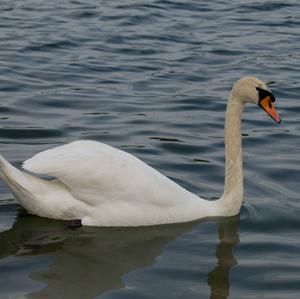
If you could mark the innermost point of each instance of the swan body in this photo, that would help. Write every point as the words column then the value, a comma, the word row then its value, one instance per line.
column 104, row 186
column 121, row 191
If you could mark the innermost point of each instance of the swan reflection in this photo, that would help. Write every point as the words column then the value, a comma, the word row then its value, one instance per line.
column 218, row 278
column 87, row 262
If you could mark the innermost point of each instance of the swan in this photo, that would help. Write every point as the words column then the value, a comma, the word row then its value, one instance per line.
column 99, row 185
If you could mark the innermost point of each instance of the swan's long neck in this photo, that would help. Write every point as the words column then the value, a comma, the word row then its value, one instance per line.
column 231, row 200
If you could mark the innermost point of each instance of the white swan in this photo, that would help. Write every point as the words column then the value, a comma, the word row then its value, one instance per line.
column 104, row 186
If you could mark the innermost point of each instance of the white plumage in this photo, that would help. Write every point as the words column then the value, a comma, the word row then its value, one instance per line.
column 104, row 186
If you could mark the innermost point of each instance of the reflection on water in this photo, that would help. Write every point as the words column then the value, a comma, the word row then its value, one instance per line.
column 218, row 278
column 87, row 262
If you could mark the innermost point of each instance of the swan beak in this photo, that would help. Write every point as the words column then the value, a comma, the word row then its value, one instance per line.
column 266, row 100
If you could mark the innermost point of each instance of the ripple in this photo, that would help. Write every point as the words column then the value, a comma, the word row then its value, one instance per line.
column 28, row 133
column 61, row 44
column 165, row 139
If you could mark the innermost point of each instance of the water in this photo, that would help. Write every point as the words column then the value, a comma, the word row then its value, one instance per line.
column 152, row 78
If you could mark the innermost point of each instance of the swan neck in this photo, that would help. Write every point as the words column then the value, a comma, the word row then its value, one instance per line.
column 233, row 191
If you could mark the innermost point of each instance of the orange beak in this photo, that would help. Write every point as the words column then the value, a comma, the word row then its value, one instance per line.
column 266, row 102
column 268, row 106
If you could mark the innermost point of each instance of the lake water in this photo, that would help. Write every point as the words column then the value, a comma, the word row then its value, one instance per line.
column 152, row 78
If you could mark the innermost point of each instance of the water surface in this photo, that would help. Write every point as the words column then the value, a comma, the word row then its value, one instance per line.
column 152, row 78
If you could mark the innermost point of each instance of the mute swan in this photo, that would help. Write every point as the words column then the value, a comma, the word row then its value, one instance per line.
column 104, row 186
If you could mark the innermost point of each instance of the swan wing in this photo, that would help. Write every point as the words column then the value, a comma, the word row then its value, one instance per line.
column 96, row 173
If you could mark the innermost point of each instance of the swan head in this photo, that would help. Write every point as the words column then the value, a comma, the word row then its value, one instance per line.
column 252, row 90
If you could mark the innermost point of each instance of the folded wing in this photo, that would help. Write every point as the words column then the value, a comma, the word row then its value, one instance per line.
column 96, row 173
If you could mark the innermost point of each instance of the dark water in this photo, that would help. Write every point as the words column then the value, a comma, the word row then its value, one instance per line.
column 152, row 78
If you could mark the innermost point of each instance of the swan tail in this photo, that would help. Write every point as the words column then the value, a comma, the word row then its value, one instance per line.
column 38, row 196
column 19, row 183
